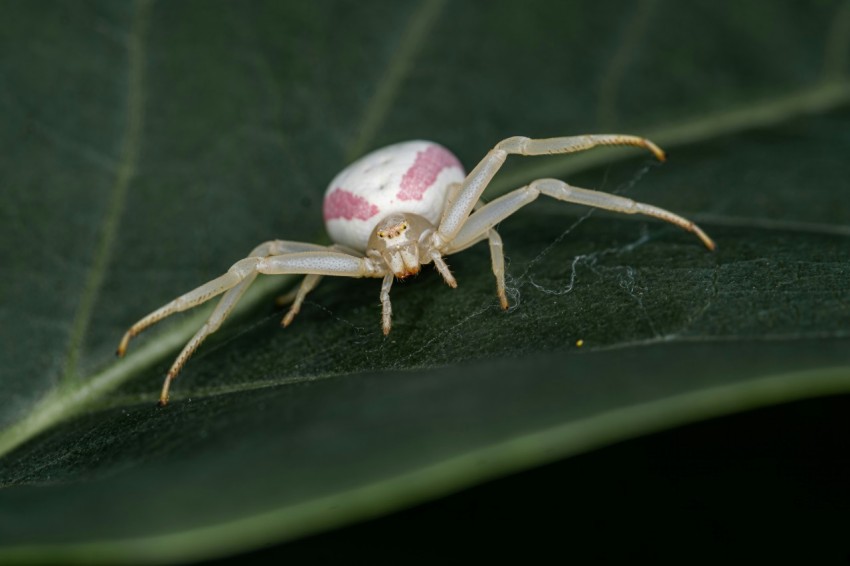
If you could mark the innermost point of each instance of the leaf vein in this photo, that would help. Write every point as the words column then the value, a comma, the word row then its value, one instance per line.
column 606, row 110
column 815, row 99
column 420, row 24
column 126, row 172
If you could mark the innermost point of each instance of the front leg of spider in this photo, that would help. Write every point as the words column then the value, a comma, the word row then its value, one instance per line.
column 394, row 210
column 458, row 229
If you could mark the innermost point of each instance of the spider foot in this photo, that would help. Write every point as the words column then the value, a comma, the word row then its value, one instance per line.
column 290, row 316
column 122, row 347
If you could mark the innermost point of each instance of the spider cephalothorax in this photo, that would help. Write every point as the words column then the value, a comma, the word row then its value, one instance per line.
column 397, row 240
column 396, row 209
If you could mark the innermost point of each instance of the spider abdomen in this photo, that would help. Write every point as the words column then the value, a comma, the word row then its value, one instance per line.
column 411, row 177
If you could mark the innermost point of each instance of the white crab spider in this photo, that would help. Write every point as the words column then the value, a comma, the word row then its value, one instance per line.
column 399, row 208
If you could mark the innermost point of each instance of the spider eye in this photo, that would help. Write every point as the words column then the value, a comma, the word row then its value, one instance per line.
column 394, row 231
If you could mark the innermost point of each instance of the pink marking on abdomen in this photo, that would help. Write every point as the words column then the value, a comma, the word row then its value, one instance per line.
column 344, row 204
column 424, row 171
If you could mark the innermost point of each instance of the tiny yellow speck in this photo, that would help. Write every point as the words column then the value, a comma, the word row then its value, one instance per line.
column 579, row 342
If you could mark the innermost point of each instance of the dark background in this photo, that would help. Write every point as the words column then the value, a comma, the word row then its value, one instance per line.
column 770, row 484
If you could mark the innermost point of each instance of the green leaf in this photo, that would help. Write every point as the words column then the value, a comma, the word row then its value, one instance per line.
column 148, row 146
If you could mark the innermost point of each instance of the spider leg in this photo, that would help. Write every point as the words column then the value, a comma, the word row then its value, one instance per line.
column 497, row 257
column 297, row 296
column 497, row 260
column 222, row 310
column 459, row 207
column 308, row 284
column 233, row 284
column 497, row 210
column 225, row 305
column 333, row 263
column 211, row 289
column 319, row 263
column 444, row 270
column 386, row 305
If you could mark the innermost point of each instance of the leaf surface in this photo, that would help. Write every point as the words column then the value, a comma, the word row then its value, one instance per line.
column 148, row 146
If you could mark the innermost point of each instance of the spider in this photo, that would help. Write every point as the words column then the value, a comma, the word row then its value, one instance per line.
column 395, row 210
